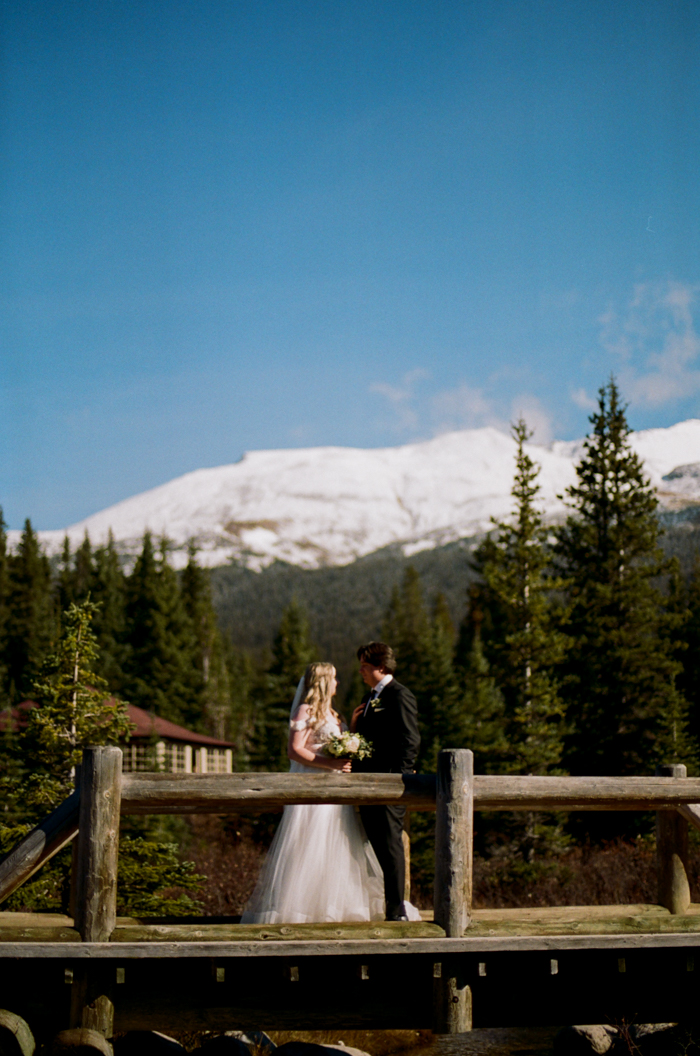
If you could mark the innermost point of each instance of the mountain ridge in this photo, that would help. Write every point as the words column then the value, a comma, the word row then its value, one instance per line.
column 329, row 506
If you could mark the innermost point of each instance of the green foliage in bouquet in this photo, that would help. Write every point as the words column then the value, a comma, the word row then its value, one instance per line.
column 349, row 745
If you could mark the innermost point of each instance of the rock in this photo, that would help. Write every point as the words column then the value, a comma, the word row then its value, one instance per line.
column 16, row 1039
column 659, row 1039
column 255, row 1040
column 597, row 1038
column 146, row 1043
column 79, row 1042
column 348, row 1049
column 308, row 1048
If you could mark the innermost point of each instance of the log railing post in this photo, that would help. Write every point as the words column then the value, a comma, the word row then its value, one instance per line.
column 453, row 881
column 96, row 880
column 672, row 851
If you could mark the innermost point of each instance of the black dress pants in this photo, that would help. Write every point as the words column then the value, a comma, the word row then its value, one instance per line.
column 384, row 828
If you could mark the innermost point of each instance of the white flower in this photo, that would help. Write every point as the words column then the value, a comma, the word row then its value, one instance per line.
column 352, row 744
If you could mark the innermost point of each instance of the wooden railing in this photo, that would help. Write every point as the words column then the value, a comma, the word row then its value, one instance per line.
column 105, row 793
column 455, row 793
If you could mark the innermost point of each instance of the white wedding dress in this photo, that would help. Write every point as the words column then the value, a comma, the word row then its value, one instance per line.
column 320, row 866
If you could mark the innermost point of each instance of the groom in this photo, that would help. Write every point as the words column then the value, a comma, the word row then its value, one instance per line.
column 388, row 717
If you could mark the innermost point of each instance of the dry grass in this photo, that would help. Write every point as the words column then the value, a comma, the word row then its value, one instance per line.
column 617, row 873
column 231, row 865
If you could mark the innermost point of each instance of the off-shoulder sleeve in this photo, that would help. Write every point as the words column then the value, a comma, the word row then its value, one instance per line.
column 297, row 721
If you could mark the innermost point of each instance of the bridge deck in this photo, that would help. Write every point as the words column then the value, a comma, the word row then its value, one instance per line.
column 524, row 967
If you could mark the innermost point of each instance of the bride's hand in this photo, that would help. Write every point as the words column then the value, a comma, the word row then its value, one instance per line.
column 355, row 716
column 340, row 764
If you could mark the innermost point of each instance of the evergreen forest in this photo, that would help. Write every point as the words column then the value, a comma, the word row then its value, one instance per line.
column 546, row 649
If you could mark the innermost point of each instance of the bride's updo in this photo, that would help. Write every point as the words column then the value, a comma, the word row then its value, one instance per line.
column 318, row 693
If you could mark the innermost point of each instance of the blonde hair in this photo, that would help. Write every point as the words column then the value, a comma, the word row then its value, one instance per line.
column 318, row 693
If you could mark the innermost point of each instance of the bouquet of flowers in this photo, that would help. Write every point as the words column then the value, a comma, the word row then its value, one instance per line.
column 349, row 746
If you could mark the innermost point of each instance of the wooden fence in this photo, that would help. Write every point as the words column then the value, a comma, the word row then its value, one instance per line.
column 93, row 813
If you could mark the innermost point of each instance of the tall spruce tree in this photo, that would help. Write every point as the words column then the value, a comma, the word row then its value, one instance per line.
column 161, row 667
column 626, row 713
column 482, row 712
column 210, row 654
column 527, row 658
column 31, row 624
column 424, row 645
column 73, row 708
column 516, row 601
column 4, row 615
column 108, row 591
column 687, row 608
column 292, row 650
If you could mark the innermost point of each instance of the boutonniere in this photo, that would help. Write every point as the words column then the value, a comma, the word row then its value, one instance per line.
column 376, row 705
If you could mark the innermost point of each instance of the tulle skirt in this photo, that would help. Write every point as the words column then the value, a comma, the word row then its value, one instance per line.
column 320, row 867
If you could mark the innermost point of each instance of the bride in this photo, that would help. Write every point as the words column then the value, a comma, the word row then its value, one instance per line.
column 320, row 866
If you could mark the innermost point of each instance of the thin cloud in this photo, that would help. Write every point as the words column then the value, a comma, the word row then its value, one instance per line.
column 656, row 343
column 402, row 398
column 581, row 398
column 463, row 407
column 536, row 417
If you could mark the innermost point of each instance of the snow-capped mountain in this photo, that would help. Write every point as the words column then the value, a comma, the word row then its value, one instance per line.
column 330, row 505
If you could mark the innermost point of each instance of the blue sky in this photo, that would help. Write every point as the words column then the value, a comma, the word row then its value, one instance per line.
column 235, row 224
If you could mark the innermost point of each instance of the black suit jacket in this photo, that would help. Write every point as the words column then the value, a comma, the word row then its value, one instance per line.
column 391, row 724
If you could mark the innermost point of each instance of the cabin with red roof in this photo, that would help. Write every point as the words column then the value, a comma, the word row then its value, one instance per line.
column 155, row 744
column 158, row 744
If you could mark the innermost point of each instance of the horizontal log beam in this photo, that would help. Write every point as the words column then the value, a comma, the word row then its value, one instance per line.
column 584, row 793
column 691, row 813
column 39, row 845
column 72, row 952
column 241, row 793
column 233, row 793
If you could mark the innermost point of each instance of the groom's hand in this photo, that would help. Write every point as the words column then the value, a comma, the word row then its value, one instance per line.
column 355, row 716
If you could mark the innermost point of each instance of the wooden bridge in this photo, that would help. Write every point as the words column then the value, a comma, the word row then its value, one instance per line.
column 483, row 967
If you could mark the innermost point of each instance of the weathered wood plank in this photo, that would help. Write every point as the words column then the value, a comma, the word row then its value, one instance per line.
column 231, row 793
column 453, row 842
column 75, row 952
column 171, row 932
column 39, row 845
column 222, row 793
column 96, row 885
column 38, row 934
column 98, row 843
column 672, row 850
column 691, row 813
column 583, row 793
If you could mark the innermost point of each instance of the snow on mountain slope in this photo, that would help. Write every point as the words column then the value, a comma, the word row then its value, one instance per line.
column 330, row 505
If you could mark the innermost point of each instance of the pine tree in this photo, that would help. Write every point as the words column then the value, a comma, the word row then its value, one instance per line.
column 4, row 615
column 31, row 618
column 409, row 630
column 483, row 713
column 72, row 710
column 215, row 702
column 626, row 712
column 161, row 668
column 688, row 609
column 108, row 591
column 291, row 652
column 525, row 661
column 243, row 682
